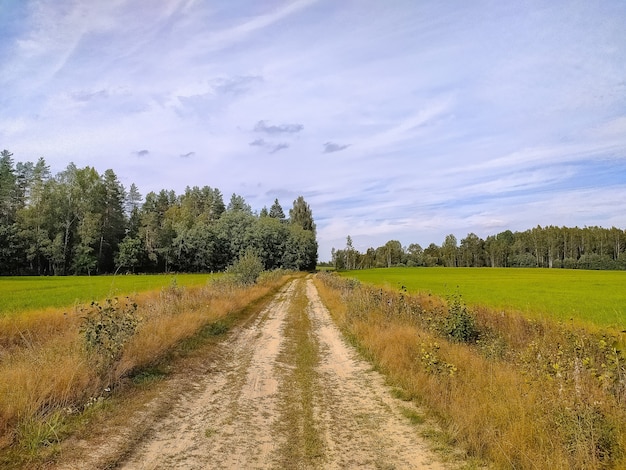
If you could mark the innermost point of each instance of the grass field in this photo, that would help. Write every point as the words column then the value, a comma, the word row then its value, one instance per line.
column 20, row 294
column 598, row 297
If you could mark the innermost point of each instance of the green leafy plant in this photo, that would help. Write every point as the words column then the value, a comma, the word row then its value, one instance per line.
column 247, row 268
column 460, row 324
column 106, row 328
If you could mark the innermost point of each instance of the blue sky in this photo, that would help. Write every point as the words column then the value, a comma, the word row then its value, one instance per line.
column 395, row 119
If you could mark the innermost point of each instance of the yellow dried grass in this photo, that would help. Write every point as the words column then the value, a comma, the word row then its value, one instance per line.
column 45, row 367
column 495, row 410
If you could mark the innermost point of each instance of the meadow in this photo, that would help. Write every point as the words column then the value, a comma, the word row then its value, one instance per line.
column 26, row 293
column 597, row 297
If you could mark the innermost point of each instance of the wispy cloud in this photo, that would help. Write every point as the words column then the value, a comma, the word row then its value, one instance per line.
column 236, row 85
column 85, row 96
column 262, row 126
column 278, row 147
column 142, row 153
column 258, row 143
column 271, row 147
column 330, row 147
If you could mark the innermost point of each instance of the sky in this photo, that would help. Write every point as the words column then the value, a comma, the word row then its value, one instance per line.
column 396, row 120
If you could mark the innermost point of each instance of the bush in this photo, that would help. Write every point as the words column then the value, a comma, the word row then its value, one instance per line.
column 247, row 268
column 106, row 329
column 460, row 325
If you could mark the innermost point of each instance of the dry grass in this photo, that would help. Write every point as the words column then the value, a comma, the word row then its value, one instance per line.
column 526, row 395
column 47, row 372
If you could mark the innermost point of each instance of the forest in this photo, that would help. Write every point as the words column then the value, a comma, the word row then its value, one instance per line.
column 543, row 247
column 79, row 222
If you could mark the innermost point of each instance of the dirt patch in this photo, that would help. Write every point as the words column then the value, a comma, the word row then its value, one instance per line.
column 235, row 415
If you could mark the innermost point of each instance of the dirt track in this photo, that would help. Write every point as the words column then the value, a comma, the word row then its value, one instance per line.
column 249, row 410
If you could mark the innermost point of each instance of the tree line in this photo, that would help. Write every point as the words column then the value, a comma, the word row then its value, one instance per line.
column 81, row 222
column 544, row 247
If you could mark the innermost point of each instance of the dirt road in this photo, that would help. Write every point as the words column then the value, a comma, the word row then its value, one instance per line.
column 285, row 391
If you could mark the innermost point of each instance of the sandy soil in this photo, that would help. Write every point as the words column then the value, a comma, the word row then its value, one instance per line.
column 229, row 417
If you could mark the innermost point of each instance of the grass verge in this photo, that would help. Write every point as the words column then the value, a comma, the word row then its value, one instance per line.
column 51, row 381
column 514, row 392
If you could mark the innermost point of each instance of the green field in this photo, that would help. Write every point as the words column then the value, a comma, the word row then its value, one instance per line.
column 598, row 297
column 19, row 294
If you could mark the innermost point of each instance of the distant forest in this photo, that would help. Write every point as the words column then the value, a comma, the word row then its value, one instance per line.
column 543, row 247
column 81, row 222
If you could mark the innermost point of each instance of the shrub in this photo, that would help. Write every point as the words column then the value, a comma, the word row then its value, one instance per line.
column 106, row 329
column 247, row 268
column 460, row 324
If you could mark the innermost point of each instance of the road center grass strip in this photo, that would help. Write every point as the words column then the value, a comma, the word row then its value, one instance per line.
column 304, row 446
column 597, row 297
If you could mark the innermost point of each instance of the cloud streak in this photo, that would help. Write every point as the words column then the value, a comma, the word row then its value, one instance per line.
column 262, row 126
column 331, row 147
column 271, row 147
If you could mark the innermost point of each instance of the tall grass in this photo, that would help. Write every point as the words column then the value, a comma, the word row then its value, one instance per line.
column 518, row 393
column 50, row 369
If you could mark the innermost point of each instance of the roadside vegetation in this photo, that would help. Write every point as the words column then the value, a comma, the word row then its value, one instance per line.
column 566, row 295
column 56, row 367
column 516, row 392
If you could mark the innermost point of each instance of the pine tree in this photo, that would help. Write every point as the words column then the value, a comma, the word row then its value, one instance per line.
column 276, row 211
column 302, row 215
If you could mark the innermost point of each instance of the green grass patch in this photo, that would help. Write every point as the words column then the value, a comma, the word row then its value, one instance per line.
column 304, row 446
column 29, row 293
column 597, row 297
column 413, row 416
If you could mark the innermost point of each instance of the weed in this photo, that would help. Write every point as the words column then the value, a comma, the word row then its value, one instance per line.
column 173, row 293
column 589, row 435
column 413, row 416
column 460, row 324
column 148, row 376
column 107, row 328
column 36, row 432
column 217, row 328
column 432, row 362
column 401, row 394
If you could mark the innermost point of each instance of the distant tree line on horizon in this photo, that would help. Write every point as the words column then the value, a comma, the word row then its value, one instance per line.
column 81, row 222
column 542, row 247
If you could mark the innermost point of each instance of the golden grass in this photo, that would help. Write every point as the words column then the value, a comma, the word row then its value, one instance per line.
column 47, row 372
column 527, row 395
